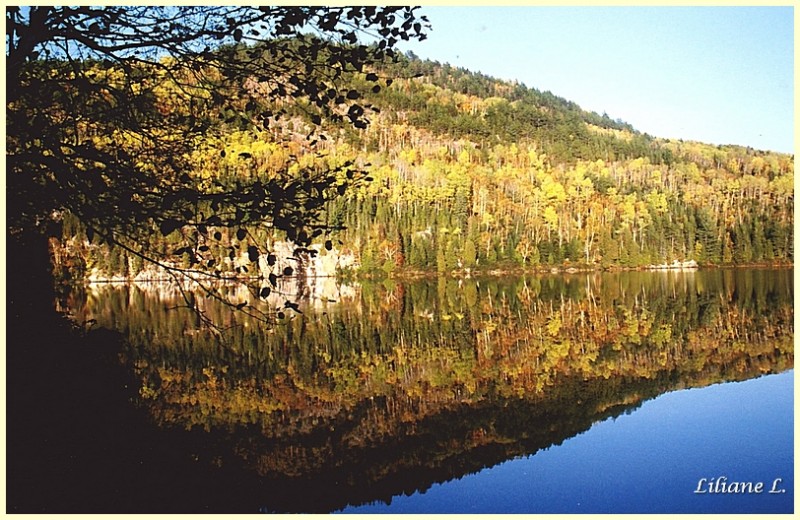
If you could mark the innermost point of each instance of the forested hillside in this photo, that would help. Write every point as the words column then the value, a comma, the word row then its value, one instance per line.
column 466, row 172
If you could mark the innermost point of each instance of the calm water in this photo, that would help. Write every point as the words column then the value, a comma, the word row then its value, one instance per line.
column 649, row 461
column 598, row 393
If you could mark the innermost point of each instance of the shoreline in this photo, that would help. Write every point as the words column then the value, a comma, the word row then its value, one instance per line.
column 410, row 274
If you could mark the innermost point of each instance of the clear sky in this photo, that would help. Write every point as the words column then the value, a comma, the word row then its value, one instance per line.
column 721, row 75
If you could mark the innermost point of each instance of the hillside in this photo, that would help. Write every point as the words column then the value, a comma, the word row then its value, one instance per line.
column 469, row 172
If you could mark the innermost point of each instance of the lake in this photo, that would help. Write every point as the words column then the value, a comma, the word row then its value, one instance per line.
column 583, row 393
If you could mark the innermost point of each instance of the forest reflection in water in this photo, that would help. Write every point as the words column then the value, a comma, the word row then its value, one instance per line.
column 398, row 385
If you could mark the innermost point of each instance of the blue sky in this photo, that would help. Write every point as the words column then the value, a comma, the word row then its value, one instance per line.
column 722, row 75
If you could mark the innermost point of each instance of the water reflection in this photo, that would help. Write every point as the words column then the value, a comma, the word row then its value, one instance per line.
column 397, row 386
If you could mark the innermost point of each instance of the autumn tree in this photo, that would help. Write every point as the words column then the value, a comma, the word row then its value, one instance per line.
column 105, row 106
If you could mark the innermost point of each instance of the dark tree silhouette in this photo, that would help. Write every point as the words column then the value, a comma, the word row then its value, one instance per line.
column 78, row 73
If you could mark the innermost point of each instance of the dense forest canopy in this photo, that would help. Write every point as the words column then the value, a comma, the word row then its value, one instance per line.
column 468, row 172
column 204, row 161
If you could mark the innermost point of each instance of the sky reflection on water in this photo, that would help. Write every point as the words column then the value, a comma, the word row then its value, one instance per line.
column 649, row 461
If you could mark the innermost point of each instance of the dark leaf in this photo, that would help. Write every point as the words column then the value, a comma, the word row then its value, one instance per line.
column 355, row 111
column 265, row 292
column 287, row 271
column 294, row 306
column 252, row 253
column 168, row 226
column 241, row 233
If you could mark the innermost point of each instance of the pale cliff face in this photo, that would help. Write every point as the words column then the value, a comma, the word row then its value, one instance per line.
column 323, row 265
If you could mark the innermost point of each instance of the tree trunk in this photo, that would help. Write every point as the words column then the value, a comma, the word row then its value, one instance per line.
column 29, row 278
column 68, row 399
